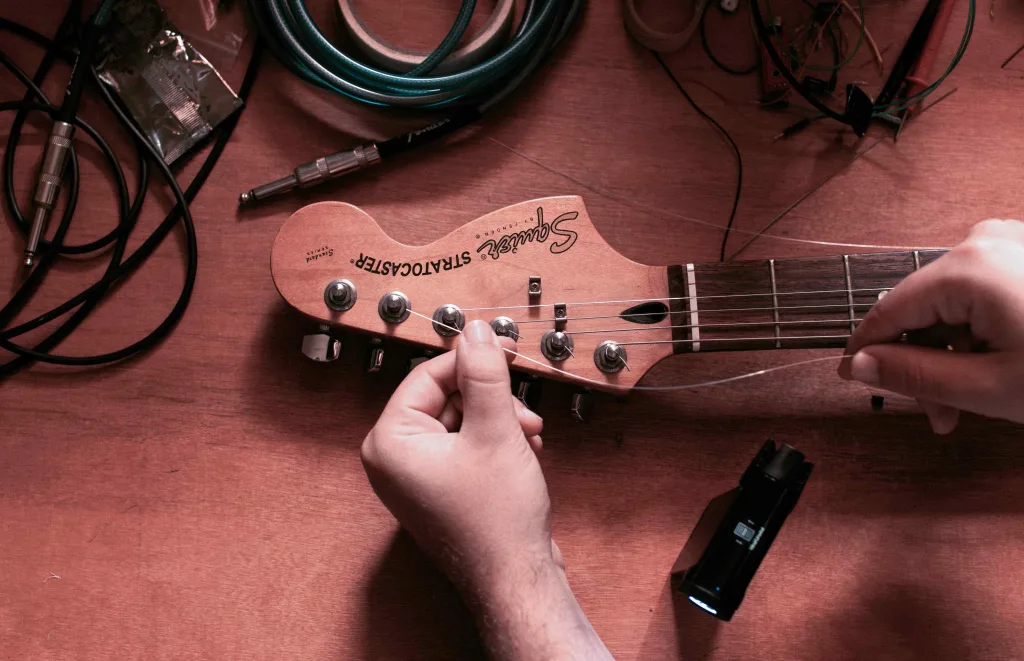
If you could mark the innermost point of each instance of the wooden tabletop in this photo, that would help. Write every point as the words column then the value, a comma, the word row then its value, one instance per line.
column 206, row 500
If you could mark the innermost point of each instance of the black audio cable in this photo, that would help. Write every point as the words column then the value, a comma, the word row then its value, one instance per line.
column 70, row 34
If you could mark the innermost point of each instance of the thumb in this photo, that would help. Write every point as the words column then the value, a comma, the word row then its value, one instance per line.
column 481, row 373
column 967, row 381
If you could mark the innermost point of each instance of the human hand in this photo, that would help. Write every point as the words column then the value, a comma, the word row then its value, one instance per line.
column 975, row 294
column 450, row 457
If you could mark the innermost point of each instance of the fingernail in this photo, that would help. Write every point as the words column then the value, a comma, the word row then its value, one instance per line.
column 864, row 368
column 478, row 332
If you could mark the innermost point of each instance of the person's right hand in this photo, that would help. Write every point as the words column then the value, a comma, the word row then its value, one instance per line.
column 976, row 291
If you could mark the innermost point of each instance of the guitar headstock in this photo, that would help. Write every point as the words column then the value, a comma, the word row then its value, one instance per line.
column 537, row 269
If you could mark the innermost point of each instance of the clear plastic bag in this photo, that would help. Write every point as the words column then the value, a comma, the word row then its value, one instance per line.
column 171, row 90
column 215, row 27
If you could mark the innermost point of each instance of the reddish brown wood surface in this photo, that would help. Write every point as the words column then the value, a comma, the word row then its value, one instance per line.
column 207, row 501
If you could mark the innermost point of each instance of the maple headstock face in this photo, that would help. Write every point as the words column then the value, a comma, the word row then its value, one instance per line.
column 485, row 269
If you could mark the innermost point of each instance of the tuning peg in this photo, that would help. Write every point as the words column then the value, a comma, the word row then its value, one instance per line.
column 321, row 346
column 527, row 389
column 581, row 405
column 419, row 360
column 375, row 358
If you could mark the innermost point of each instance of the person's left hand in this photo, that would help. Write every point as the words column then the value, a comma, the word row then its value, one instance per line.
column 451, row 457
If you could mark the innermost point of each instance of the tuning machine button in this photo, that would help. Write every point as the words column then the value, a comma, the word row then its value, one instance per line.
column 610, row 357
column 449, row 320
column 527, row 389
column 419, row 360
column 505, row 327
column 556, row 345
column 375, row 356
column 321, row 347
column 340, row 295
column 581, row 405
column 394, row 307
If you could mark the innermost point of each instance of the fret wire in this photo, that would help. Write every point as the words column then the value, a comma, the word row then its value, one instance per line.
column 704, row 326
column 849, row 289
column 741, row 339
column 677, row 298
column 775, row 303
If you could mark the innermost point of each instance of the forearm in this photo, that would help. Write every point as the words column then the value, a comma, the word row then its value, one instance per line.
column 530, row 614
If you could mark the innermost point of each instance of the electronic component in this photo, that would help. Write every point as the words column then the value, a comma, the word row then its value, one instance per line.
column 736, row 530
column 773, row 83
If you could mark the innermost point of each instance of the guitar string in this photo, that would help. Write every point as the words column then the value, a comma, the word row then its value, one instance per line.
column 663, row 212
column 670, row 388
column 738, row 339
column 701, row 327
column 654, row 299
column 624, row 315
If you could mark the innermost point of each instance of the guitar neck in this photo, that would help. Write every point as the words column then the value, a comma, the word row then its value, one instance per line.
column 803, row 303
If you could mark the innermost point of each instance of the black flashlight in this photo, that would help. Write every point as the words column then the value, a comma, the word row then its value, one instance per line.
column 736, row 530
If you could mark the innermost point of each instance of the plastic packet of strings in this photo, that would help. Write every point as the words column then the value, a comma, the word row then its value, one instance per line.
column 171, row 91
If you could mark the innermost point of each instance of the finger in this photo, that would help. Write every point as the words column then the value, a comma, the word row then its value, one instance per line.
column 451, row 414
column 483, row 380
column 972, row 382
column 426, row 389
column 531, row 423
column 922, row 300
column 942, row 418
column 556, row 555
column 998, row 229
column 536, row 442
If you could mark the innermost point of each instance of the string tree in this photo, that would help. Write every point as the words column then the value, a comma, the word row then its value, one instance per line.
column 533, row 288
column 561, row 316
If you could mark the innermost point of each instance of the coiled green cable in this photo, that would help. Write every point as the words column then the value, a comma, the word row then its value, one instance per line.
column 295, row 40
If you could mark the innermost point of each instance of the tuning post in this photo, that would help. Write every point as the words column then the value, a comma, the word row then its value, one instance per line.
column 556, row 345
column 340, row 295
column 394, row 307
column 505, row 327
column 610, row 357
column 449, row 320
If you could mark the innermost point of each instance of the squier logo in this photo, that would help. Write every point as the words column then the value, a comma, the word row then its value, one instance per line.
column 564, row 238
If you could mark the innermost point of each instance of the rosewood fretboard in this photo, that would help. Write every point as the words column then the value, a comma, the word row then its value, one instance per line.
column 801, row 303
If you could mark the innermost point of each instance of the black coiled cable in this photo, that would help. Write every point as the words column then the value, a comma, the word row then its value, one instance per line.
column 118, row 267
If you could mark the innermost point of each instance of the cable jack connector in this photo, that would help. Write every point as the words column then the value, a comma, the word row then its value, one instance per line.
column 315, row 172
column 58, row 150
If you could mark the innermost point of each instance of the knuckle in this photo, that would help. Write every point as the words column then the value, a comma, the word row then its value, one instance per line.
column 369, row 452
